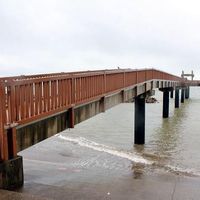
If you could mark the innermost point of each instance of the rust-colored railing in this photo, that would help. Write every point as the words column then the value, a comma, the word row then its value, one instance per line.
column 2, row 120
column 26, row 98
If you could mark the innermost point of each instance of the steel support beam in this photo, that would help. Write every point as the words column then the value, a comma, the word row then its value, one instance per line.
column 102, row 104
column 165, row 104
column 166, row 101
column 176, row 98
column 123, row 96
column 71, row 117
column 11, row 173
column 182, row 95
column 187, row 92
column 11, row 167
column 172, row 94
column 139, row 120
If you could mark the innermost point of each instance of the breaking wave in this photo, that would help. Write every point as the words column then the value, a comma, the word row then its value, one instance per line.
column 127, row 155
column 181, row 171
column 103, row 148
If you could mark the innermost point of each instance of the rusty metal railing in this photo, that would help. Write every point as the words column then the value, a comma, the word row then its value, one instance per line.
column 26, row 98
column 30, row 97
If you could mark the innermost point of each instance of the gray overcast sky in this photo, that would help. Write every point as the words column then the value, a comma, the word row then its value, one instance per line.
column 42, row 36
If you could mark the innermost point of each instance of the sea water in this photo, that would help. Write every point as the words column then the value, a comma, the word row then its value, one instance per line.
column 106, row 142
column 172, row 144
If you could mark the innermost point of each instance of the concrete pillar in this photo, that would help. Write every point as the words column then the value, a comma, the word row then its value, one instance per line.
column 11, row 167
column 182, row 95
column 187, row 92
column 71, row 117
column 165, row 103
column 177, row 98
column 123, row 96
column 172, row 94
column 140, row 120
column 102, row 104
column 11, row 173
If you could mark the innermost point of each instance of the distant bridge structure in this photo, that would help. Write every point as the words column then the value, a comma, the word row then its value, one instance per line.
column 33, row 108
column 183, row 75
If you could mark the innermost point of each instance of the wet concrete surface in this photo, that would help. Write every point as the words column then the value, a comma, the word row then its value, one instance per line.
column 8, row 195
column 61, row 172
column 149, row 187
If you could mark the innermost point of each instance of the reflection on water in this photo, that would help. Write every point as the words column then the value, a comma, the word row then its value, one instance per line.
column 138, row 170
column 166, row 138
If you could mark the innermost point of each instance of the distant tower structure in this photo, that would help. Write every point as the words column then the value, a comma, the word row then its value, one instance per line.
column 183, row 75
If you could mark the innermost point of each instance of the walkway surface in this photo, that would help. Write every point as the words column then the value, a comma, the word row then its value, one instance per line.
column 149, row 187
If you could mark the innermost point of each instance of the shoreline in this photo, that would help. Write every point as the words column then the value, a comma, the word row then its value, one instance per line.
column 52, row 173
column 67, row 169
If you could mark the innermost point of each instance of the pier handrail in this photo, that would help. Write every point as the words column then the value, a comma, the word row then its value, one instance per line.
column 31, row 97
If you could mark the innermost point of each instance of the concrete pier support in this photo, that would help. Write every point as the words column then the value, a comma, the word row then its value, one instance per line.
column 172, row 94
column 140, row 119
column 187, row 92
column 71, row 117
column 182, row 95
column 176, row 98
column 166, row 101
column 11, row 173
column 11, row 165
column 123, row 96
column 102, row 104
column 165, row 104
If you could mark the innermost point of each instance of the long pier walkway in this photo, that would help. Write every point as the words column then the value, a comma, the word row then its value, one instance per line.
column 33, row 108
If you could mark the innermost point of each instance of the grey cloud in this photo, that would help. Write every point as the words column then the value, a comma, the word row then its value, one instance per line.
column 48, row 35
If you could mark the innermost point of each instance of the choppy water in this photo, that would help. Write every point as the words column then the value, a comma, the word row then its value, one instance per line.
column 104, row 145
column 172, row 144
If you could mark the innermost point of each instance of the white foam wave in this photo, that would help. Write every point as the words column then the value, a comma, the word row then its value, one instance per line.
column 102, row 148
column 127, row 155
column 181, row 171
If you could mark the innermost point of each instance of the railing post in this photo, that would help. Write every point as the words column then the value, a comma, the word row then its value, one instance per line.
column 145, row 75
column 105, row 87
column 152, row 73
column 11, row 165
column 124, row 79
column 12, row 104
column 2, row 121
column 11, row 141
column 73, row 91
column 136, row 76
